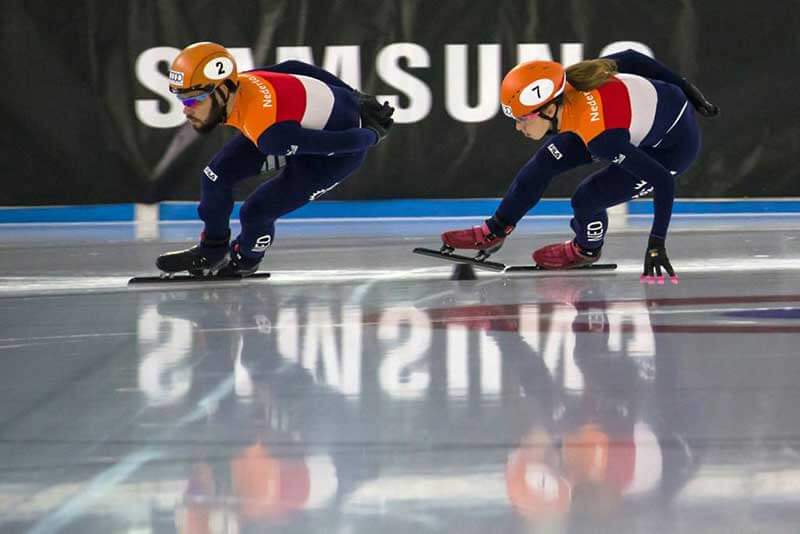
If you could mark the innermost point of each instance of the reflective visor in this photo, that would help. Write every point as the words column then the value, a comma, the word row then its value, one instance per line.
column 193, row 100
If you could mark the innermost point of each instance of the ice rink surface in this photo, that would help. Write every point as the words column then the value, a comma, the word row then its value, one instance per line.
column 360, row 390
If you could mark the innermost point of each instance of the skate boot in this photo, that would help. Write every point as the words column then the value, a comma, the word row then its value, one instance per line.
column 567, row 255
column 239, row 264
column 205, row 259
column 480, row 238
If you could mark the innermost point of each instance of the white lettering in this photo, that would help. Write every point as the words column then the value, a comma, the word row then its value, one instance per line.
column 457, row 359
column 262, row 243
column 457, row 82
column 149, row 110
column 561, row 336
column 571, row 53
column 343, row 373
column 320, row 344
column 176, row 77
column 288, row 328
column 210, row 174
column 266, row 94
column 393, row 64
column 403, row 373
column 594, row 108
column 345, row 63
column 642, row 343
column 595, row 231
column 340, row 370
column 529, row 325
column 418, row 94
column 165, row 345
column 533, row 52
column 491, row 375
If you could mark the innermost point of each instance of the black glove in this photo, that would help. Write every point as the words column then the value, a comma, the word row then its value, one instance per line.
column 654, row 259
column 377, row 117
column 699, row 101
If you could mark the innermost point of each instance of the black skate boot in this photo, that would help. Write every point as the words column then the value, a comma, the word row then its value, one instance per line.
column 205, row 259
column 239, row 264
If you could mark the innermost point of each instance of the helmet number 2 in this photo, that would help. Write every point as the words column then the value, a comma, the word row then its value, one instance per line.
column 219, row 68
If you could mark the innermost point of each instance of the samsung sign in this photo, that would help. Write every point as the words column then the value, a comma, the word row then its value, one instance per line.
column 345, row 62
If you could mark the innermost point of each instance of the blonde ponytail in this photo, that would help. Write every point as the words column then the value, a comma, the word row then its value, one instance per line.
column 591, row 74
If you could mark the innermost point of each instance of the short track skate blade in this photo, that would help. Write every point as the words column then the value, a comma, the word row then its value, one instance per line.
column 503, row 268
column 456, row 258
column 536, row 268
column 198, row 279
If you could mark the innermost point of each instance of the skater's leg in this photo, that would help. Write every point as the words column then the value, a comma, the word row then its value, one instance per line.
column 603, row 189
column 302, row 180
column 238, row 159
column 612, row 185
column 599, row 191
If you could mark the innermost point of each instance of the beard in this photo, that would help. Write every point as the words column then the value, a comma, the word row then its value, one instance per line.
column 215, row 117
column 204, row 127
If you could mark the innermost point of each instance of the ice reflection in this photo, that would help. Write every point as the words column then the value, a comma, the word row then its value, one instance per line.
column 542, row 409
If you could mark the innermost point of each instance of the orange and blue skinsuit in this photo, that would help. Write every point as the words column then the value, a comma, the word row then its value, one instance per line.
column 292, row 112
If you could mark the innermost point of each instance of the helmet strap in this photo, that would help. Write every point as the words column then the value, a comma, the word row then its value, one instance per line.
column 219, row 102
column 554, row 118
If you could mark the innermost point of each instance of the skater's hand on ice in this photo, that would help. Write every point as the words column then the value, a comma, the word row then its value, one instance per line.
column 654, row 259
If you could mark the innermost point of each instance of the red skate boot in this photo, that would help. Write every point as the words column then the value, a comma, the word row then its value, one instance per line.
column 567, row 255
column 479, row 238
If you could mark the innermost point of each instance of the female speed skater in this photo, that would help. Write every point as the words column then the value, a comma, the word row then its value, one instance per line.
column 320, row 124
column 625, row 109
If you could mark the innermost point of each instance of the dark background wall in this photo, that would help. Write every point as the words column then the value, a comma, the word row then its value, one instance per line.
column 76, row 73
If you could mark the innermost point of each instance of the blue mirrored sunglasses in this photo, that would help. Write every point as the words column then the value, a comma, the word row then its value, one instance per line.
column 191, row 101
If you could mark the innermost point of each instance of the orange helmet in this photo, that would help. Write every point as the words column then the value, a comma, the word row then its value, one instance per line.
column 536, row 491
column 530, row 86
column 202, row 66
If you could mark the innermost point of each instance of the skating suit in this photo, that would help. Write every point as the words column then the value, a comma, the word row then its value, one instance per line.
column 640, row 122
column 293, row 114
column 302, row 117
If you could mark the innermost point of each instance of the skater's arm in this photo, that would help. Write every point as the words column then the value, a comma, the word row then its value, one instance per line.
column 289, row 138
column 305, row 69
column 558, row 154
column 615, row 146
column 633, row 62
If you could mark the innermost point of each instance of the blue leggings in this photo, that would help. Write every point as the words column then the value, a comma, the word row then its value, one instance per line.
column 612, row 185
column 305, row 178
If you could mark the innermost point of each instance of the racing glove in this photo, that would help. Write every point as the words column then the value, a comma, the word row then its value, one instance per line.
column 654, row 260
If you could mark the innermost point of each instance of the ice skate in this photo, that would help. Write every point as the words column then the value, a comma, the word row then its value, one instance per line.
column 479, row 238
column 239, row 264
column 567, row 255
column 202, row 260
